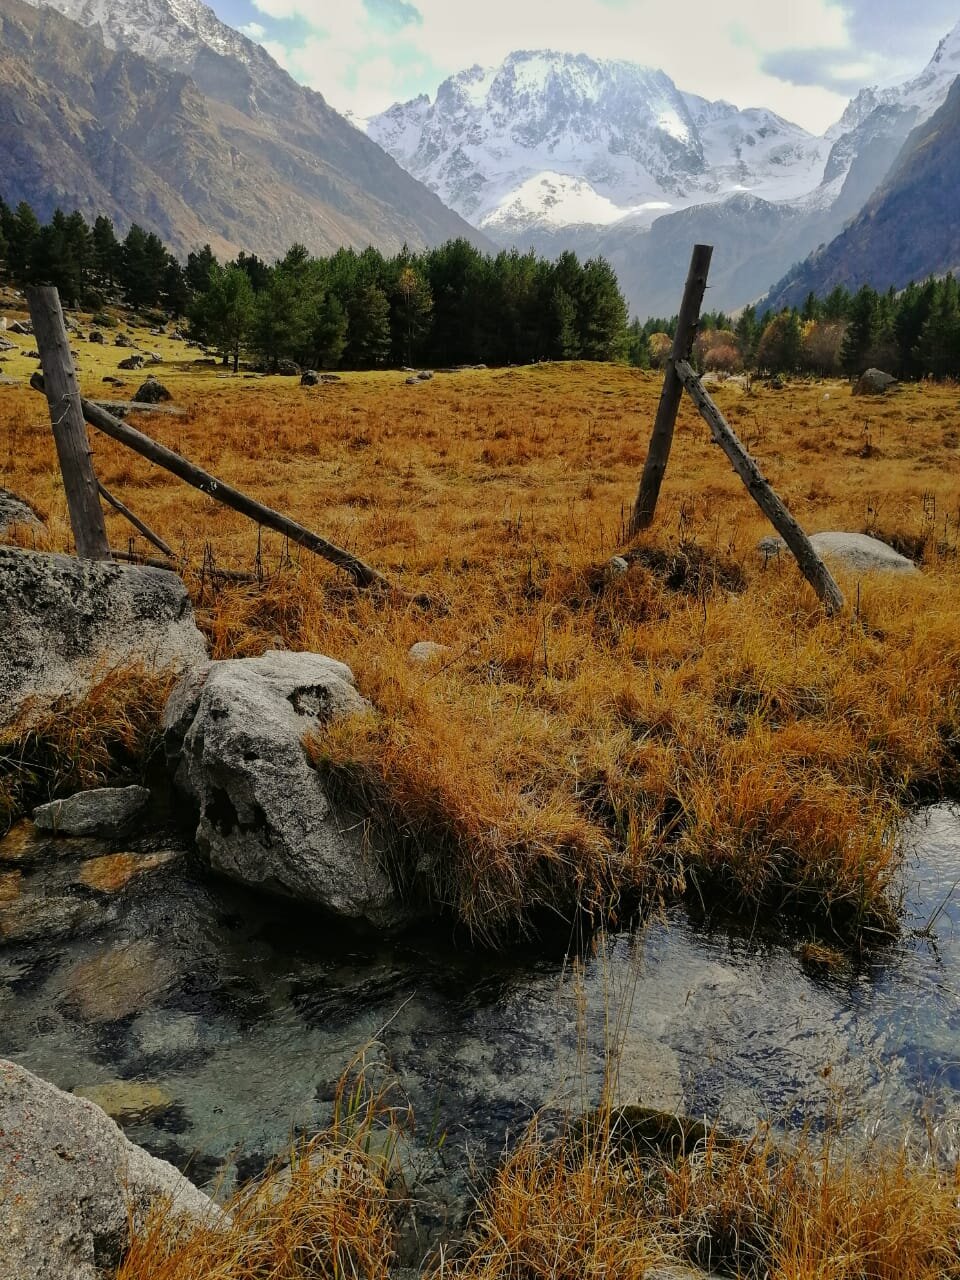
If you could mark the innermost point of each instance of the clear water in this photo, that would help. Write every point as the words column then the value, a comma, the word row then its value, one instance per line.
column 244, row 1015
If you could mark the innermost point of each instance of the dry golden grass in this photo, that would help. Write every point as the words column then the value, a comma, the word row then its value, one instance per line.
column 618, row 1198
column 581, row 738
column 74, row 744
column 562, row 1211
column 326, row 1214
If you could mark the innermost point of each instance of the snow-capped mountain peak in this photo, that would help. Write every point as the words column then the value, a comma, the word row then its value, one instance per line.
column 549, row 138
column 161, row 30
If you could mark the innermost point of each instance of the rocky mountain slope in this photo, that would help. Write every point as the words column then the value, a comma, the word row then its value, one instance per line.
column 909, row 228
column 208, row 140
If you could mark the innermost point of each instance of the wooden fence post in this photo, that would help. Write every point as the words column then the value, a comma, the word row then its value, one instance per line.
column 659, row 452
column 69, row 428
column 760, row 489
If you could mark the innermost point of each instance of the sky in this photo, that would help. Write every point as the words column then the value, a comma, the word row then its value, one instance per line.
column 802, row 58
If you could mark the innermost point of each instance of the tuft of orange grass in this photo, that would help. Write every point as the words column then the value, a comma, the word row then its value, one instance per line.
column 326, row 1214
column 696, row 722
column 593, row 1207
column 74, row 744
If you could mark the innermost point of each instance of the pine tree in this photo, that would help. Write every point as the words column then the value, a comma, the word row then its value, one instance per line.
column 638, row 346
column 913, row 310
column 175, row 292
column 143, row 264
column 748, row 330
column 282, row 324
column 80, row 239
column 412, row 312
column 862, row 329
column 200, row 263
column 228, row 310
column 6, row 221
column 21, row 236
column 52, row 259
column 368, row 332
column 566, row 341
column 836, row 305
column 328, row 330
column 256, row 269
column 938, row 350
column 106, row 253
column 603, row 312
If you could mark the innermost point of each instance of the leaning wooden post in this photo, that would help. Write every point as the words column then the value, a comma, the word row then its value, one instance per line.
column 363, row 574
column 659, row 452
column 811, row 566
column 69, row 428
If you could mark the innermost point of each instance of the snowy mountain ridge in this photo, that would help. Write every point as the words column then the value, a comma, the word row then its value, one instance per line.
column 558, row 139
column 160, row 30
column 548, row 140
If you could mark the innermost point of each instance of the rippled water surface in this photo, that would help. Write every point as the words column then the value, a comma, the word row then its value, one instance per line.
column 240, row 1018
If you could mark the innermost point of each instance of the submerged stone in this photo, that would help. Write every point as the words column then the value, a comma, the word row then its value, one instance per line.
column 126, row 1100
column 114, row 871
column 119, row 981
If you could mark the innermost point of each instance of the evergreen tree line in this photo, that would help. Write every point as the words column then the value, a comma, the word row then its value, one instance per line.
column 913, row 333
column 89, row 264
column 445, row 306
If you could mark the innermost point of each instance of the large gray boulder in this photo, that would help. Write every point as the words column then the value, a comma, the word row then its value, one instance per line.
column 62, row 618
column 856, row 552
column 68, row 1177
column 151, row 392
column 265, row 819
column 874, row 382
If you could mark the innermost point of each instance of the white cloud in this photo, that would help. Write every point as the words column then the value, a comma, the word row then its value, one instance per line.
column 254, row 30
column 716, row 50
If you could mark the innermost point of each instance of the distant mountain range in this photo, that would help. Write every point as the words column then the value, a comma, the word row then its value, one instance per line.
column 157, row 112
column 549, row 140
column 558, row 151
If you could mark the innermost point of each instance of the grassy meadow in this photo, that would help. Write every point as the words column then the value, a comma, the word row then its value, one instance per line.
column 694, row 725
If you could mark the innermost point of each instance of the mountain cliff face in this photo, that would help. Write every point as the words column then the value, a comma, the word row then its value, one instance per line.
column 909, row 228
column 552, row 139
column 210, row 140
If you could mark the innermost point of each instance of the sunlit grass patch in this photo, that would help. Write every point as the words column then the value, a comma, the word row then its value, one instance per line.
column 693, row 722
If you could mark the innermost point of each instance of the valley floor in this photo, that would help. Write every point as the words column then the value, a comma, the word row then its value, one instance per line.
column 695, row 725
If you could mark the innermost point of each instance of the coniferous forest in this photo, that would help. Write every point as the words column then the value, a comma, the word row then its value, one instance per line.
column 455, row 305
column 449, row 305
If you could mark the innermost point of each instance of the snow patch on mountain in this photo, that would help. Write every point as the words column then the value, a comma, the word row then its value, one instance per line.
column 553, row 200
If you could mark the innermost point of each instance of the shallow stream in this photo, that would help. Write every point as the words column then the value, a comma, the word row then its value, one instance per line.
column 215, row 1024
